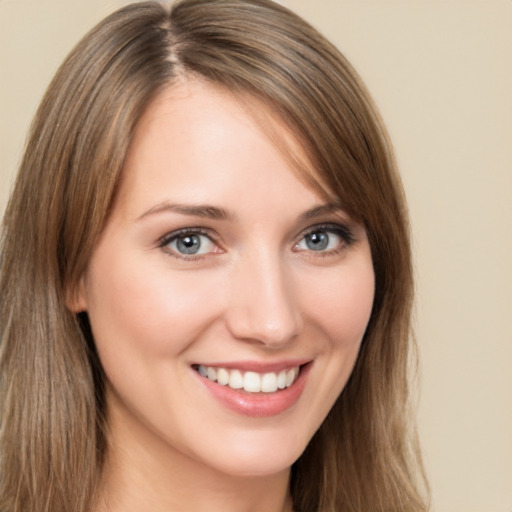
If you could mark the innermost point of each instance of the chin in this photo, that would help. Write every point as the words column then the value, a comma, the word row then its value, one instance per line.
column 258, row 455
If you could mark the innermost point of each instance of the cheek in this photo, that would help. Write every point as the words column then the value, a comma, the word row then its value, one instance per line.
column 145, row 308
column 342, row 303
column 338, row 305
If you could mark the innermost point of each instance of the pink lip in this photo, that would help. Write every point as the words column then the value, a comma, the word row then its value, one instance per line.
column 258, row 405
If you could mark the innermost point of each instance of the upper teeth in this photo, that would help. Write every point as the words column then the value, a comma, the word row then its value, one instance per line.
column 251, row 381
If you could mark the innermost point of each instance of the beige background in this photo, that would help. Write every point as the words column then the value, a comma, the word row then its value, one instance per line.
column 441, row 72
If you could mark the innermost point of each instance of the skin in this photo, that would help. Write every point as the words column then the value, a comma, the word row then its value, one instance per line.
column 255, row 292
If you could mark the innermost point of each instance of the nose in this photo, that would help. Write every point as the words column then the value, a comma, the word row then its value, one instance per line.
column 262, row 305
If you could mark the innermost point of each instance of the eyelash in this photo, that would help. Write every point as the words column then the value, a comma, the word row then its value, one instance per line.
column 342, row 231
column 169, row 238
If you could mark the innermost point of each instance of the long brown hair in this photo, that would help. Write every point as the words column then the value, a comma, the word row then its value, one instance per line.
column 365, row 456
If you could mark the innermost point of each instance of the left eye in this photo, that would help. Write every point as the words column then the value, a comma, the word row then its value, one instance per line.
column 320, row 240
column 190, row 244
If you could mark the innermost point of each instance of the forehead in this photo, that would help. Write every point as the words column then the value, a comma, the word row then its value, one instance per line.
column 195, row 138
column 193, row 120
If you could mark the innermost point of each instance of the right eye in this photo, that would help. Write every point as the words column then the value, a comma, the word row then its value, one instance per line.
column 189, row 242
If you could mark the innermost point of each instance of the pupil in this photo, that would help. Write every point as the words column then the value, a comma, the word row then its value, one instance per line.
column 188, row 244
column 317, row 241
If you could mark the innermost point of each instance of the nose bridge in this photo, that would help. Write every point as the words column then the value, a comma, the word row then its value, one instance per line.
column 263, row 306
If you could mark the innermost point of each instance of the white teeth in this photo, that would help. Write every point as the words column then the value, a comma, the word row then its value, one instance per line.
column 211, row 373
column 281, row 380
column 290, row 376
column 251, row 382
column 269, row 383
column 222, row 376
column 236, row 379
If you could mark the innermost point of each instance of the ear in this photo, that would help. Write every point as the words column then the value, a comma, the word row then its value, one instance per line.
column 76, row 297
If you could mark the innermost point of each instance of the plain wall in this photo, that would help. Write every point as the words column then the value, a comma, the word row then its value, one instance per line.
column 441, row 73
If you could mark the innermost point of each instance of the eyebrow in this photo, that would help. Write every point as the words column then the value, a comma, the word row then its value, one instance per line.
column 216, row 213
column 199, row 210
column 323, row 209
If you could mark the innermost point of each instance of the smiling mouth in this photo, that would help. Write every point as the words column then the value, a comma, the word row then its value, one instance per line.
column 249, row 381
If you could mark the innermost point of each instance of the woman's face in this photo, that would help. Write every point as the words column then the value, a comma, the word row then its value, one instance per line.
column 227, row 299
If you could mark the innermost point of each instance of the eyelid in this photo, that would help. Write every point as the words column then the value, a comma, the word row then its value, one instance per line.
column 340, row 229
column 168, row 238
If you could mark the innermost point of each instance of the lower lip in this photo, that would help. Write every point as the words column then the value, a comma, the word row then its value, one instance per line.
column 258, row 405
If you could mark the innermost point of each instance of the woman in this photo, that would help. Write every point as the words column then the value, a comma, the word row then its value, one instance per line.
column 206, row 278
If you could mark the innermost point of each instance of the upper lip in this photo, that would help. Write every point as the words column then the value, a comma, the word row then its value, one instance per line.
column 257, row 366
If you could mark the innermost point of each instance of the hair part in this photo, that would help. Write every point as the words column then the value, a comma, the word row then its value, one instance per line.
column 365, row 456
